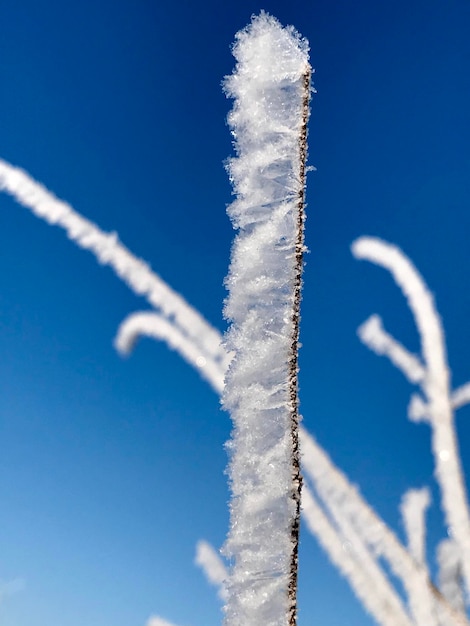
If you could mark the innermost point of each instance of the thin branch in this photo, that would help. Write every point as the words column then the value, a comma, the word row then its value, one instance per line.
column 435, row 386
column 350, row 556
column 335, row 490
column 110, row 251
column 413, row 507
column 373, row 335
column 450, row 573
column 151, row 324
column 461, row 396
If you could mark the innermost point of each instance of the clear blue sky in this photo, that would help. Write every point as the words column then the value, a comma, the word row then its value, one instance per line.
column 112, row 469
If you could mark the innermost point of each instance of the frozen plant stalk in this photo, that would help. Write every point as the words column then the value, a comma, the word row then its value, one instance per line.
column 271, row 89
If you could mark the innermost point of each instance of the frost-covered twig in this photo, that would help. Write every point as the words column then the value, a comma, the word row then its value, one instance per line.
column 152, row 324
column 438, row 409
column 450, row 573
column 335, row 490
column 461, row 396
column 349, row 554
column 212, row 565
column 413, row 508
column 271, row 88
column 109, row 251
column 373, row 335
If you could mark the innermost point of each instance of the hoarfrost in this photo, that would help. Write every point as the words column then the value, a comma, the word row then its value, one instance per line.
column 270, row 86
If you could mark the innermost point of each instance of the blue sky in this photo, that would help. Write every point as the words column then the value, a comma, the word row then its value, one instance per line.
column 112, row 469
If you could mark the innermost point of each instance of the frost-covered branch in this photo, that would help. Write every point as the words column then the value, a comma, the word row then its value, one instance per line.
column 355, row 563
column 461, row 396
column 373, row 335
column 335, row 490
column 271, row 89
column 413, row 507
column 109, row 251
column 151, row 324
column 449, row 560
column 438, row 408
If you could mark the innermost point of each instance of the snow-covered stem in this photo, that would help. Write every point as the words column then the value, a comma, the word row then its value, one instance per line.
column 449, row 560
column 413, row 508
column 352, row 558
column 110, row 251
column 271, row 89
column 152, row 324
column 461, row 396
column 373, row 335
column 335, row 490
column 435, row 386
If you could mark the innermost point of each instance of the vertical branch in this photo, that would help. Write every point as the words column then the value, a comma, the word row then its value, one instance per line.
column 413, row 508
column 271, row 88
column 294, row 359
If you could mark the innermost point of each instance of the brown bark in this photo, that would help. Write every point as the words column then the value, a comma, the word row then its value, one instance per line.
column 293, row 361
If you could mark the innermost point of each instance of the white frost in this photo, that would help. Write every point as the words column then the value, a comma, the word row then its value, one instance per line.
column 269, row 89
